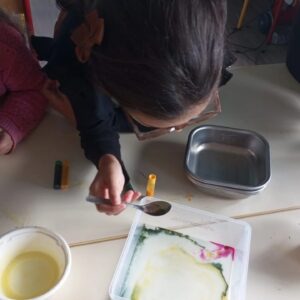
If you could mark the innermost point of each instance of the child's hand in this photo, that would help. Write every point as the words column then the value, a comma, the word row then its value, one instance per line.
column 6, row 142
column 58, row 100
column 108, row 184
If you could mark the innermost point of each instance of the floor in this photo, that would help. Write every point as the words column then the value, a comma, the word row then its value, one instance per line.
column 248, row 43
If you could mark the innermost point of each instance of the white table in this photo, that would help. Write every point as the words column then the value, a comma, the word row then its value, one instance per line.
column 265, row 99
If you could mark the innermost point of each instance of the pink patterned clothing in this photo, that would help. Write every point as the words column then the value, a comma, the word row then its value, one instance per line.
column 22, row 105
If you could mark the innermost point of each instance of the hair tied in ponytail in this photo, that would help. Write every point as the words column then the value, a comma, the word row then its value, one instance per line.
column 88, row 34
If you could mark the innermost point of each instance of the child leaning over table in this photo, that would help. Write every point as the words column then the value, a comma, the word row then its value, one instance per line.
column 160, row 60
column 22, row 105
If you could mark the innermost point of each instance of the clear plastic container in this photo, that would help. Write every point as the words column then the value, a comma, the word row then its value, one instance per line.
column 200, row 225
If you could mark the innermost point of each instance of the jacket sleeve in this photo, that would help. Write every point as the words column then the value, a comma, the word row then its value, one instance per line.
column 24, row 105
column 94, row 112
column 42, row 46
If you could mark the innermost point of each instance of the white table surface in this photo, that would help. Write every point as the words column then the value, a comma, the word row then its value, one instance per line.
column 265, row 99
column 261, row 98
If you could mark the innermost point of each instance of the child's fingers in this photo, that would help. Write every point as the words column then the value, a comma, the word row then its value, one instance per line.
column 49, row 85
column 131, row 196
column 58, row 100
column 111, row 209
column 115, row 182
column 52, row 93
column 115, row 192
column 6, row 143
column 127, row 197
column 136, row 196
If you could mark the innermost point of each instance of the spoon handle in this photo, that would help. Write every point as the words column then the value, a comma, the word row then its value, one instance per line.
column 95, row 200
column 98, row 200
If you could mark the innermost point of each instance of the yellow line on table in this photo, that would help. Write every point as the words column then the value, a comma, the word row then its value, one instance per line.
column 268, row 212
column 100, row 240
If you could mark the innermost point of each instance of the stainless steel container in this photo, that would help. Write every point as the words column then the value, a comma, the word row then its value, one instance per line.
column 228, row 162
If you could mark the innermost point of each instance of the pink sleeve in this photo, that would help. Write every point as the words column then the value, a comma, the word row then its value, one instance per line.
column 24, row 105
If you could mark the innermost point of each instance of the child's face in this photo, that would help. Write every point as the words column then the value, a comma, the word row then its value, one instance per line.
column 156, row 127
column 149, row 121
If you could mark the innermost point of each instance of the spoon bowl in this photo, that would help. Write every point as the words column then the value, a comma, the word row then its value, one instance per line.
column 155, row 208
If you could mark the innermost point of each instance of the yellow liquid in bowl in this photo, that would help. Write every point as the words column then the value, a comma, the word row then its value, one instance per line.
column 29, row 275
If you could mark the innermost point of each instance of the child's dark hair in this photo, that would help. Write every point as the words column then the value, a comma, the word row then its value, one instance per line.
column 160, row 57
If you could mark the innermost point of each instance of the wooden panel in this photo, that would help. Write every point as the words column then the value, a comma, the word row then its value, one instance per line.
column 12, row 5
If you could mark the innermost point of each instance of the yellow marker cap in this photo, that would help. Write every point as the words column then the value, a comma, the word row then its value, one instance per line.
column 150, row 190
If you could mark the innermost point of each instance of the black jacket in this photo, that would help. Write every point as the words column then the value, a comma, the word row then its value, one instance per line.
column 98, row 118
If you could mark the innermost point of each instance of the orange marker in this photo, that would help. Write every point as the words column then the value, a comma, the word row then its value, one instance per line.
column 150, row 190
column 65, row 175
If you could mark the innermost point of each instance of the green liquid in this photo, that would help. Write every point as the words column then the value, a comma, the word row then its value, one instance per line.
column 29, row 275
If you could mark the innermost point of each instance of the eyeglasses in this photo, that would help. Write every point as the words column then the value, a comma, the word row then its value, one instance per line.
column 143, row 132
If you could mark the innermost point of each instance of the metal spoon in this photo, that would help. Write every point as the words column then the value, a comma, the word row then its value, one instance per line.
column 156, row 208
